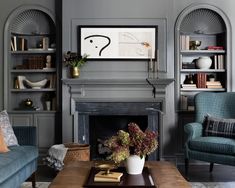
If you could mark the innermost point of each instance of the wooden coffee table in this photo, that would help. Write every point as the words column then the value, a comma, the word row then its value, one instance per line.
column 164, row 174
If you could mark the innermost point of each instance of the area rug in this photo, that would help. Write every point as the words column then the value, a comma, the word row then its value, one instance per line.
column 38, row 184
column 212, row 184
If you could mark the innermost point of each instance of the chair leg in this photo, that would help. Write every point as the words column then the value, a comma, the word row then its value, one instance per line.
column 186, row 167
column 211, row 167
column 32, row 178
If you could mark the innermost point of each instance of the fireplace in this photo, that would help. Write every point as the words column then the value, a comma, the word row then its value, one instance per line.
column 96, row 121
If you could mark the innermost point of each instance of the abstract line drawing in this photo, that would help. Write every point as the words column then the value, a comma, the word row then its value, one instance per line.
column 96, row 45
column 114, row 42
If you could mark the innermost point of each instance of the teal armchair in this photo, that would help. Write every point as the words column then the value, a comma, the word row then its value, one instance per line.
column 210, row 149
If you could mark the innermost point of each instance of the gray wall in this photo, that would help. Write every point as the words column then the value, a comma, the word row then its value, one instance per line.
column 93, row 11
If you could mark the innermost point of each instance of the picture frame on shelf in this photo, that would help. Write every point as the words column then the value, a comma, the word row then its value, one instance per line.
column 118, row 42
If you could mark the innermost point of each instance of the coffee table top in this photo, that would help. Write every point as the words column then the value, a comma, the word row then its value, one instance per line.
column 164, row 174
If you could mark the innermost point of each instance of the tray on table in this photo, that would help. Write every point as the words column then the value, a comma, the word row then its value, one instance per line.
column 141, row 180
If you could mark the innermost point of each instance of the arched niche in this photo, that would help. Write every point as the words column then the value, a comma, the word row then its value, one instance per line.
column 202, row 19
column 26, row 19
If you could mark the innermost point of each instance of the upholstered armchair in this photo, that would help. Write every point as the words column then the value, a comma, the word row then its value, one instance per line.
column 211, row 148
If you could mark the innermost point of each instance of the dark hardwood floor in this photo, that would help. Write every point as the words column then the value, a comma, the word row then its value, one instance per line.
column 200, row 173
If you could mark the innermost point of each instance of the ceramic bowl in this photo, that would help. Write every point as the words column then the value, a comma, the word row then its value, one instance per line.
column 36, row 85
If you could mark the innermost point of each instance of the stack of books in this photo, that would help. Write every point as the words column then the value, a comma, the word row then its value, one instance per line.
column 188, row 86
column 102, row 176
column 214, row 84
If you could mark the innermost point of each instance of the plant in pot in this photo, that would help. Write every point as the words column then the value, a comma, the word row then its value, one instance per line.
column 211, row 77
column 75, row 62
column 47, row 98
column 132, row 146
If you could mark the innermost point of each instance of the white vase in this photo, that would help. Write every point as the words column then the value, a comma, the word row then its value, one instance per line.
column 134, row 164
column 204, row 62
column 48, row 105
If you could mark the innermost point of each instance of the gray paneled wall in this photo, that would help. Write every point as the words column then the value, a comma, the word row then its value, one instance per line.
column 96, row 11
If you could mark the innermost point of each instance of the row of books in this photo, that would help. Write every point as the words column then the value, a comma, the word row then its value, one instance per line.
column 21, row 44
column 184, row 42
column 218, row 62
column 187, row 102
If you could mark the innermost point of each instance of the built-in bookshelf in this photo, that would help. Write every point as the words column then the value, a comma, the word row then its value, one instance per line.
column 31, row 72
column 195, row 44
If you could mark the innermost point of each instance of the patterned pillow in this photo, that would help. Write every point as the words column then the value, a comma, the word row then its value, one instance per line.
column 7, row 130
column 219, row 127
column 3, row 146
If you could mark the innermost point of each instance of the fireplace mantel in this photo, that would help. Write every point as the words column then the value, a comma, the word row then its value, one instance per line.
column 116, row 90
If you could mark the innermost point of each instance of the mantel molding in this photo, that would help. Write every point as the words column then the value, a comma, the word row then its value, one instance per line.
column 157, row 82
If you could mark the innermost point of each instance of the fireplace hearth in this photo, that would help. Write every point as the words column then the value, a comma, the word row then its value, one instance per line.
column 96, row 121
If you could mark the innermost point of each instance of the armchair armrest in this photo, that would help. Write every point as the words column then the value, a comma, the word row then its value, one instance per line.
column 193, row 130
column 26, row 135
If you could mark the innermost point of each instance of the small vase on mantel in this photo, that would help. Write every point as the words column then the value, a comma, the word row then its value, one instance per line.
column 135, row 164
column 75, row 72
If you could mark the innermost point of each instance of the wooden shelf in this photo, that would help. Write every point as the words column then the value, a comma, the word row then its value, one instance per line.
column 33, row 90
column 34, row 51
column 201, row 70
column 202, row 52
column 51, row 70
column 203, row 89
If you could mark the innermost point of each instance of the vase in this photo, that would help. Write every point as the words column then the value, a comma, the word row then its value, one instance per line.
column 135, row 164
column 204, row 62
column 75, row 72
column 48, row 105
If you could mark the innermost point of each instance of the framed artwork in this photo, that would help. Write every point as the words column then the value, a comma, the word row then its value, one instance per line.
column 118, row 42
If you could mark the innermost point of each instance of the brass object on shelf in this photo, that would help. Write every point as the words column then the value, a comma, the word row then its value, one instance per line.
column 16, row 84
column 28, row 102
column 75, row 72
column 193, row 45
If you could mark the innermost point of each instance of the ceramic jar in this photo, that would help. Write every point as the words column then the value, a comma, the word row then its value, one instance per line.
column 204, row 62
column 135, row 164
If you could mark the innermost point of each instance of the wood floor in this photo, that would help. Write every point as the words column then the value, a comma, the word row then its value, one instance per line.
column 197, row 173
column 200, row 173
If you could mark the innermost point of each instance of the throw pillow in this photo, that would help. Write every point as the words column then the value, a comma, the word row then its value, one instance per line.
column 3, row 146
column 219, row 127
column 8, row 133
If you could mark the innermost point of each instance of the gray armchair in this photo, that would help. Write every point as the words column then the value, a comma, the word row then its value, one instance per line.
column 210, row 149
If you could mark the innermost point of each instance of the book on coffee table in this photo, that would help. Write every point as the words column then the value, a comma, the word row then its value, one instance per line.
column 102, row 176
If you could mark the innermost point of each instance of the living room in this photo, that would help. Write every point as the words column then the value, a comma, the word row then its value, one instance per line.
column 114, row 83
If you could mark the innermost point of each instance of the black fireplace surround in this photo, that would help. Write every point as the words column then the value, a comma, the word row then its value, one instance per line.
column 98, row 121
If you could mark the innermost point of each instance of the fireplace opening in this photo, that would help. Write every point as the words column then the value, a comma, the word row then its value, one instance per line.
column 101, row 127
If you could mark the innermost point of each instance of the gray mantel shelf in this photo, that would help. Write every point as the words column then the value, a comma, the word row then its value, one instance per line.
column 159, row 81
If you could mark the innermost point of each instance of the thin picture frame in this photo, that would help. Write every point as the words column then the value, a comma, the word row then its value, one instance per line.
column 118, row 42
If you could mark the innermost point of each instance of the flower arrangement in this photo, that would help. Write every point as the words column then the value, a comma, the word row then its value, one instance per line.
column 135, row 142
column 74, row 60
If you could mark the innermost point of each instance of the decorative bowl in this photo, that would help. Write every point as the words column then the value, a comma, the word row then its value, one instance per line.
column 107, row 167
column 36, row 85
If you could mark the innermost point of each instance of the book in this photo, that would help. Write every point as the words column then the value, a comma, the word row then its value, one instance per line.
column 214, row 86
column 111, row 177
column 188, row 86
column 213, row 83
column 215, row 48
